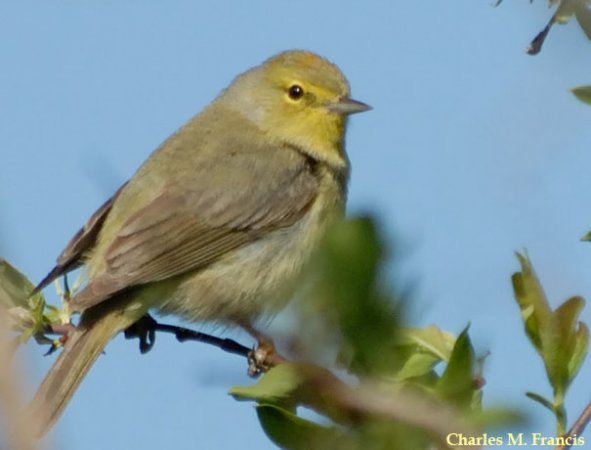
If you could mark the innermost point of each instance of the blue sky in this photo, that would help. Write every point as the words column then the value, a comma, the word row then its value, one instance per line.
column 473, row 150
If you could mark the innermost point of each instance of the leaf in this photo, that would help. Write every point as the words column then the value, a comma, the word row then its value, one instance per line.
column 425, row 348
column 587, row 236
column 291, row 432
column 560, row 342
column 558, row 336
column 580, row 349
column 417, row 365
column 583, row 93
column 583, row 15
column 15, row 288
column 346, row 273
column 535, row 310
column 430, row 339
column 555, row 349
column 563, row 14
column 541, row 400
column 25, row 312
column 277, row 386
column 457, row 381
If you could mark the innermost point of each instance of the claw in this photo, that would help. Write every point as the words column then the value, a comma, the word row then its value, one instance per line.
column 262, row 358
column 145, row 330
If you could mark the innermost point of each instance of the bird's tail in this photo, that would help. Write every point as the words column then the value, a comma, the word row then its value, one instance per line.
column 81, row 350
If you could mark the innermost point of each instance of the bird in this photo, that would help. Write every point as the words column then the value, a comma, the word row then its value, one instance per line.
column 218, row 223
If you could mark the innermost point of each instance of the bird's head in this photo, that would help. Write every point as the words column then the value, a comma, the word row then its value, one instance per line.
column 300, row 98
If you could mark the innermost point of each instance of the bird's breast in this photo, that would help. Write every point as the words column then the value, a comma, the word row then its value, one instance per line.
column 259, row 278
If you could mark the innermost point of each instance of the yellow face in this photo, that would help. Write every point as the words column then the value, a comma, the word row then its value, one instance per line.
column 300, row 98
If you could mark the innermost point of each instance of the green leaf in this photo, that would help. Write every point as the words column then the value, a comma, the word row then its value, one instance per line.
column 346, row 274
column 541, row 400
column 421, row 349
column 26, row 312
column 457, row 381
column 555, row 351
column 583, row 93
column 535, row 310
column 417, row 365
column 558, row 336
column 430, row 339
column 556, row 408
column 291, row 432
column 15, row 288
column 277, row 386
column 587, row 236
column 583, row 15
column 561, row 354
column 580, row 349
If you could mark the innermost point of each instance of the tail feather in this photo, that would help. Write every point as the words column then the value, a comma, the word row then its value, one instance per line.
column 82, row 349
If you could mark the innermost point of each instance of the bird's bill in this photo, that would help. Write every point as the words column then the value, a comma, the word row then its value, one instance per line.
column 347, row 106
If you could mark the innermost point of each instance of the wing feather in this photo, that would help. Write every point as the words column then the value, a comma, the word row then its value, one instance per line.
column 73, row 255
column 180, row 231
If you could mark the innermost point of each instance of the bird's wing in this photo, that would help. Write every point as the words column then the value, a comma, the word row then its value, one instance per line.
column 185, row 228
column 72, row 256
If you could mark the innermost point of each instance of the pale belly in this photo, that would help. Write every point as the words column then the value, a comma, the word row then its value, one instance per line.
column 255, row 280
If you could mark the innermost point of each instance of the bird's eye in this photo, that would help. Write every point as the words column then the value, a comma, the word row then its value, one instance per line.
column 296, row 92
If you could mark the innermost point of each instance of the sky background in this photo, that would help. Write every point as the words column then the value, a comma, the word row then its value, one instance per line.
column 473, row 150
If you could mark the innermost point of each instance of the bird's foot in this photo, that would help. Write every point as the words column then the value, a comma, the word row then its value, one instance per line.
column 145, row 330
column 264, row 356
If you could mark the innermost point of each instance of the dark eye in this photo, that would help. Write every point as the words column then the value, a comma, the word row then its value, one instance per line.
column 296, row 92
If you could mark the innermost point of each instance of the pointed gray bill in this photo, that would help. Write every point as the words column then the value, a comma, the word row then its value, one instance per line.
column 348, row 106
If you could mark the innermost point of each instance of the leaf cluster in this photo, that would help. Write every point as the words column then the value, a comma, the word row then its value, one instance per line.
column 415, row 376
column 561, row 340
column 565, row 10
column 29, row 314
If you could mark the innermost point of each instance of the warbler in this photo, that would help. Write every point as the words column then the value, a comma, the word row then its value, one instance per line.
column 218, row 222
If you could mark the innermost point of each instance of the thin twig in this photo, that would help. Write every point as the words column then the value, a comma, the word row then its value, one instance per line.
column 327, row 391
column 182, row 334
column 185, row 334
column 577, row 428
column 326, row 394
column 536, row 44
column 259, row 360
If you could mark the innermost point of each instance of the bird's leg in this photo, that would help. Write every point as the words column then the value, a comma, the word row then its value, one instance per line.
column 145, row 330
column 260, row 359
column 264, row 356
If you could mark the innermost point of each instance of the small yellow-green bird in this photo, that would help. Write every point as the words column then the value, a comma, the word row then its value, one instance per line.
column 217, row 224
